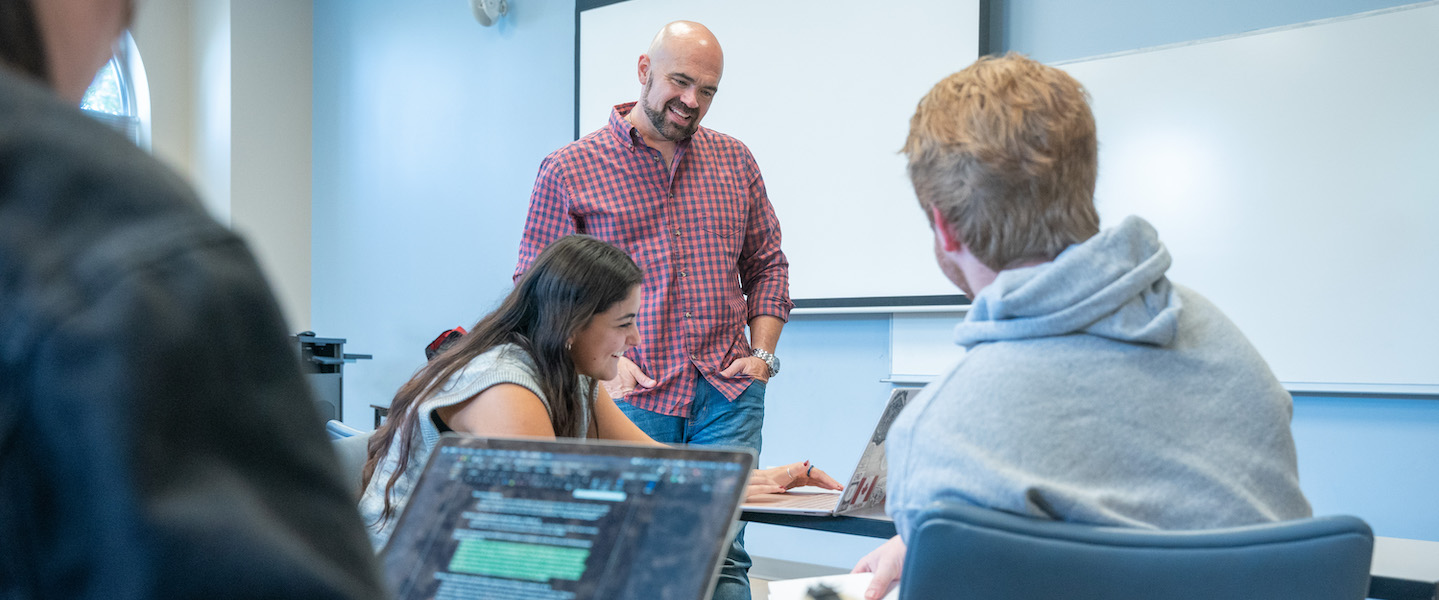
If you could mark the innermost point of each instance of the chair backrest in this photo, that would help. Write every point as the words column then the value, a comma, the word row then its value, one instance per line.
column 352, row 448
column 962, row 551
column 339, row 430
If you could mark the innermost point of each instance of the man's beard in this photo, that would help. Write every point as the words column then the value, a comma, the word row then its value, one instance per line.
column 661, row 123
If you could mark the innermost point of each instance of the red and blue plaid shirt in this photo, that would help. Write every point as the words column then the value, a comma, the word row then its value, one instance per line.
column 704, row 232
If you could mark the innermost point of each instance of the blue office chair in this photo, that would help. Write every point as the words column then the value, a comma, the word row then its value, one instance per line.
column 352, row 447
column 963, row 551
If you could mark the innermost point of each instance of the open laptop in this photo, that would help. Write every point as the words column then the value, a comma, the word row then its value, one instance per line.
column 863, row 495
column 566, row 520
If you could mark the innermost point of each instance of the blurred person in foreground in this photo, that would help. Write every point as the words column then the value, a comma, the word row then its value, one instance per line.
column 157, row 439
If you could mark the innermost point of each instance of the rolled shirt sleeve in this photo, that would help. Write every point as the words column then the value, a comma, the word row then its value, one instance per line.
column 763, row 267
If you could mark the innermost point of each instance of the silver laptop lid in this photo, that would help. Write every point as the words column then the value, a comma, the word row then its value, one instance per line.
column 566, row 520
column 865, row 491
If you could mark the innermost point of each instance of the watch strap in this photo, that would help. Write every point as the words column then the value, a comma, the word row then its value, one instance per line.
column 769, row 359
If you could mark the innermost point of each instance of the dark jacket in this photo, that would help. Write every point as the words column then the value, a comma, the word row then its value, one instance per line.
column 157, row 439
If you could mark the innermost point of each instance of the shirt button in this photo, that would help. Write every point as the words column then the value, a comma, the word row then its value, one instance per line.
column 682, row 273
column 694, row 357
column 688, row 315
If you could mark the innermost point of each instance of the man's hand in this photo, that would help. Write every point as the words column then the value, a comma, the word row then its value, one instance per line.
column 629, row 377
column 750, row 365
column 885, row 562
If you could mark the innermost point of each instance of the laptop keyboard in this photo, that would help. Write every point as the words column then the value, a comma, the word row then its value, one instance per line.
column 815, row 501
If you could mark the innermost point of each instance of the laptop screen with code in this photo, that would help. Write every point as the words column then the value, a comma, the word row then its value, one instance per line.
column 566, row 520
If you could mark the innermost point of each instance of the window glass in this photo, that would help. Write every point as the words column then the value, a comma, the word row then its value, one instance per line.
column 105, row 94
column 119, row 96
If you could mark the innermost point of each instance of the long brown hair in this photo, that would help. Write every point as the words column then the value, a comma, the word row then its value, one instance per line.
column 573, row 279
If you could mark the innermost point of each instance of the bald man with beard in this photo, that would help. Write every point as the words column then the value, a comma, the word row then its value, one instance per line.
column 689, row 205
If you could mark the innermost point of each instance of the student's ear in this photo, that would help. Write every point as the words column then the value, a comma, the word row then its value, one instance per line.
column 947, row 240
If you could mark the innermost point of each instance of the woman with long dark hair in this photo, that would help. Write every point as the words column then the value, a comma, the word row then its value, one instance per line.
column 530, row 368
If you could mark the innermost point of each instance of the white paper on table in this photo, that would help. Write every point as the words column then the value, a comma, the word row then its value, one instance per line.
column 849, row 586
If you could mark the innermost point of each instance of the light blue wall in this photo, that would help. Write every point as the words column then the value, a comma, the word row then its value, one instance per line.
column 1371, row 457
column 428, row 132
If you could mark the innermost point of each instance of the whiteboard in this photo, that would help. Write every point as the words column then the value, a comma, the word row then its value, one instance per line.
column 1294, row 175
column 821, row 91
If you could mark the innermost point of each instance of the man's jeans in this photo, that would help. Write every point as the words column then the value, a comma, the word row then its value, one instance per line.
column 714, row 421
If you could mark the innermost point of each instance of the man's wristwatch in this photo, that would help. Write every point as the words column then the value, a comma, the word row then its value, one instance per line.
column 769, row 359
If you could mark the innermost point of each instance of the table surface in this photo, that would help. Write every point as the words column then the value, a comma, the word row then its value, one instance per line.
column 1401, row 569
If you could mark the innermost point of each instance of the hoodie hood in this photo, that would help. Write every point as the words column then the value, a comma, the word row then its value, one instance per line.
column 1111, row 285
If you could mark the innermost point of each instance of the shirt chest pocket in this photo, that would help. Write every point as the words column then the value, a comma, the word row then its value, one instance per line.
column 723, row 216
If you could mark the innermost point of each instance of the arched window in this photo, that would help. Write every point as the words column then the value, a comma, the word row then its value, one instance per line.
column 120, row 95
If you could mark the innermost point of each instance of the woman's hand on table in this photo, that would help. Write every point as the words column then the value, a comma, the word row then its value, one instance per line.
column 776, row 480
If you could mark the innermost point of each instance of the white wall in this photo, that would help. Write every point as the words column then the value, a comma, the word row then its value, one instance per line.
column 162, row 31
column 271, row 78
column 230, row 89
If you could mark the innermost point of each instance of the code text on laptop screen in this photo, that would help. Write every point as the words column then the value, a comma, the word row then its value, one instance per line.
column 539, row 525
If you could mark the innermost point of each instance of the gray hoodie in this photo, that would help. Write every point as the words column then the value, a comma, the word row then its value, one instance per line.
column 1095, row 390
